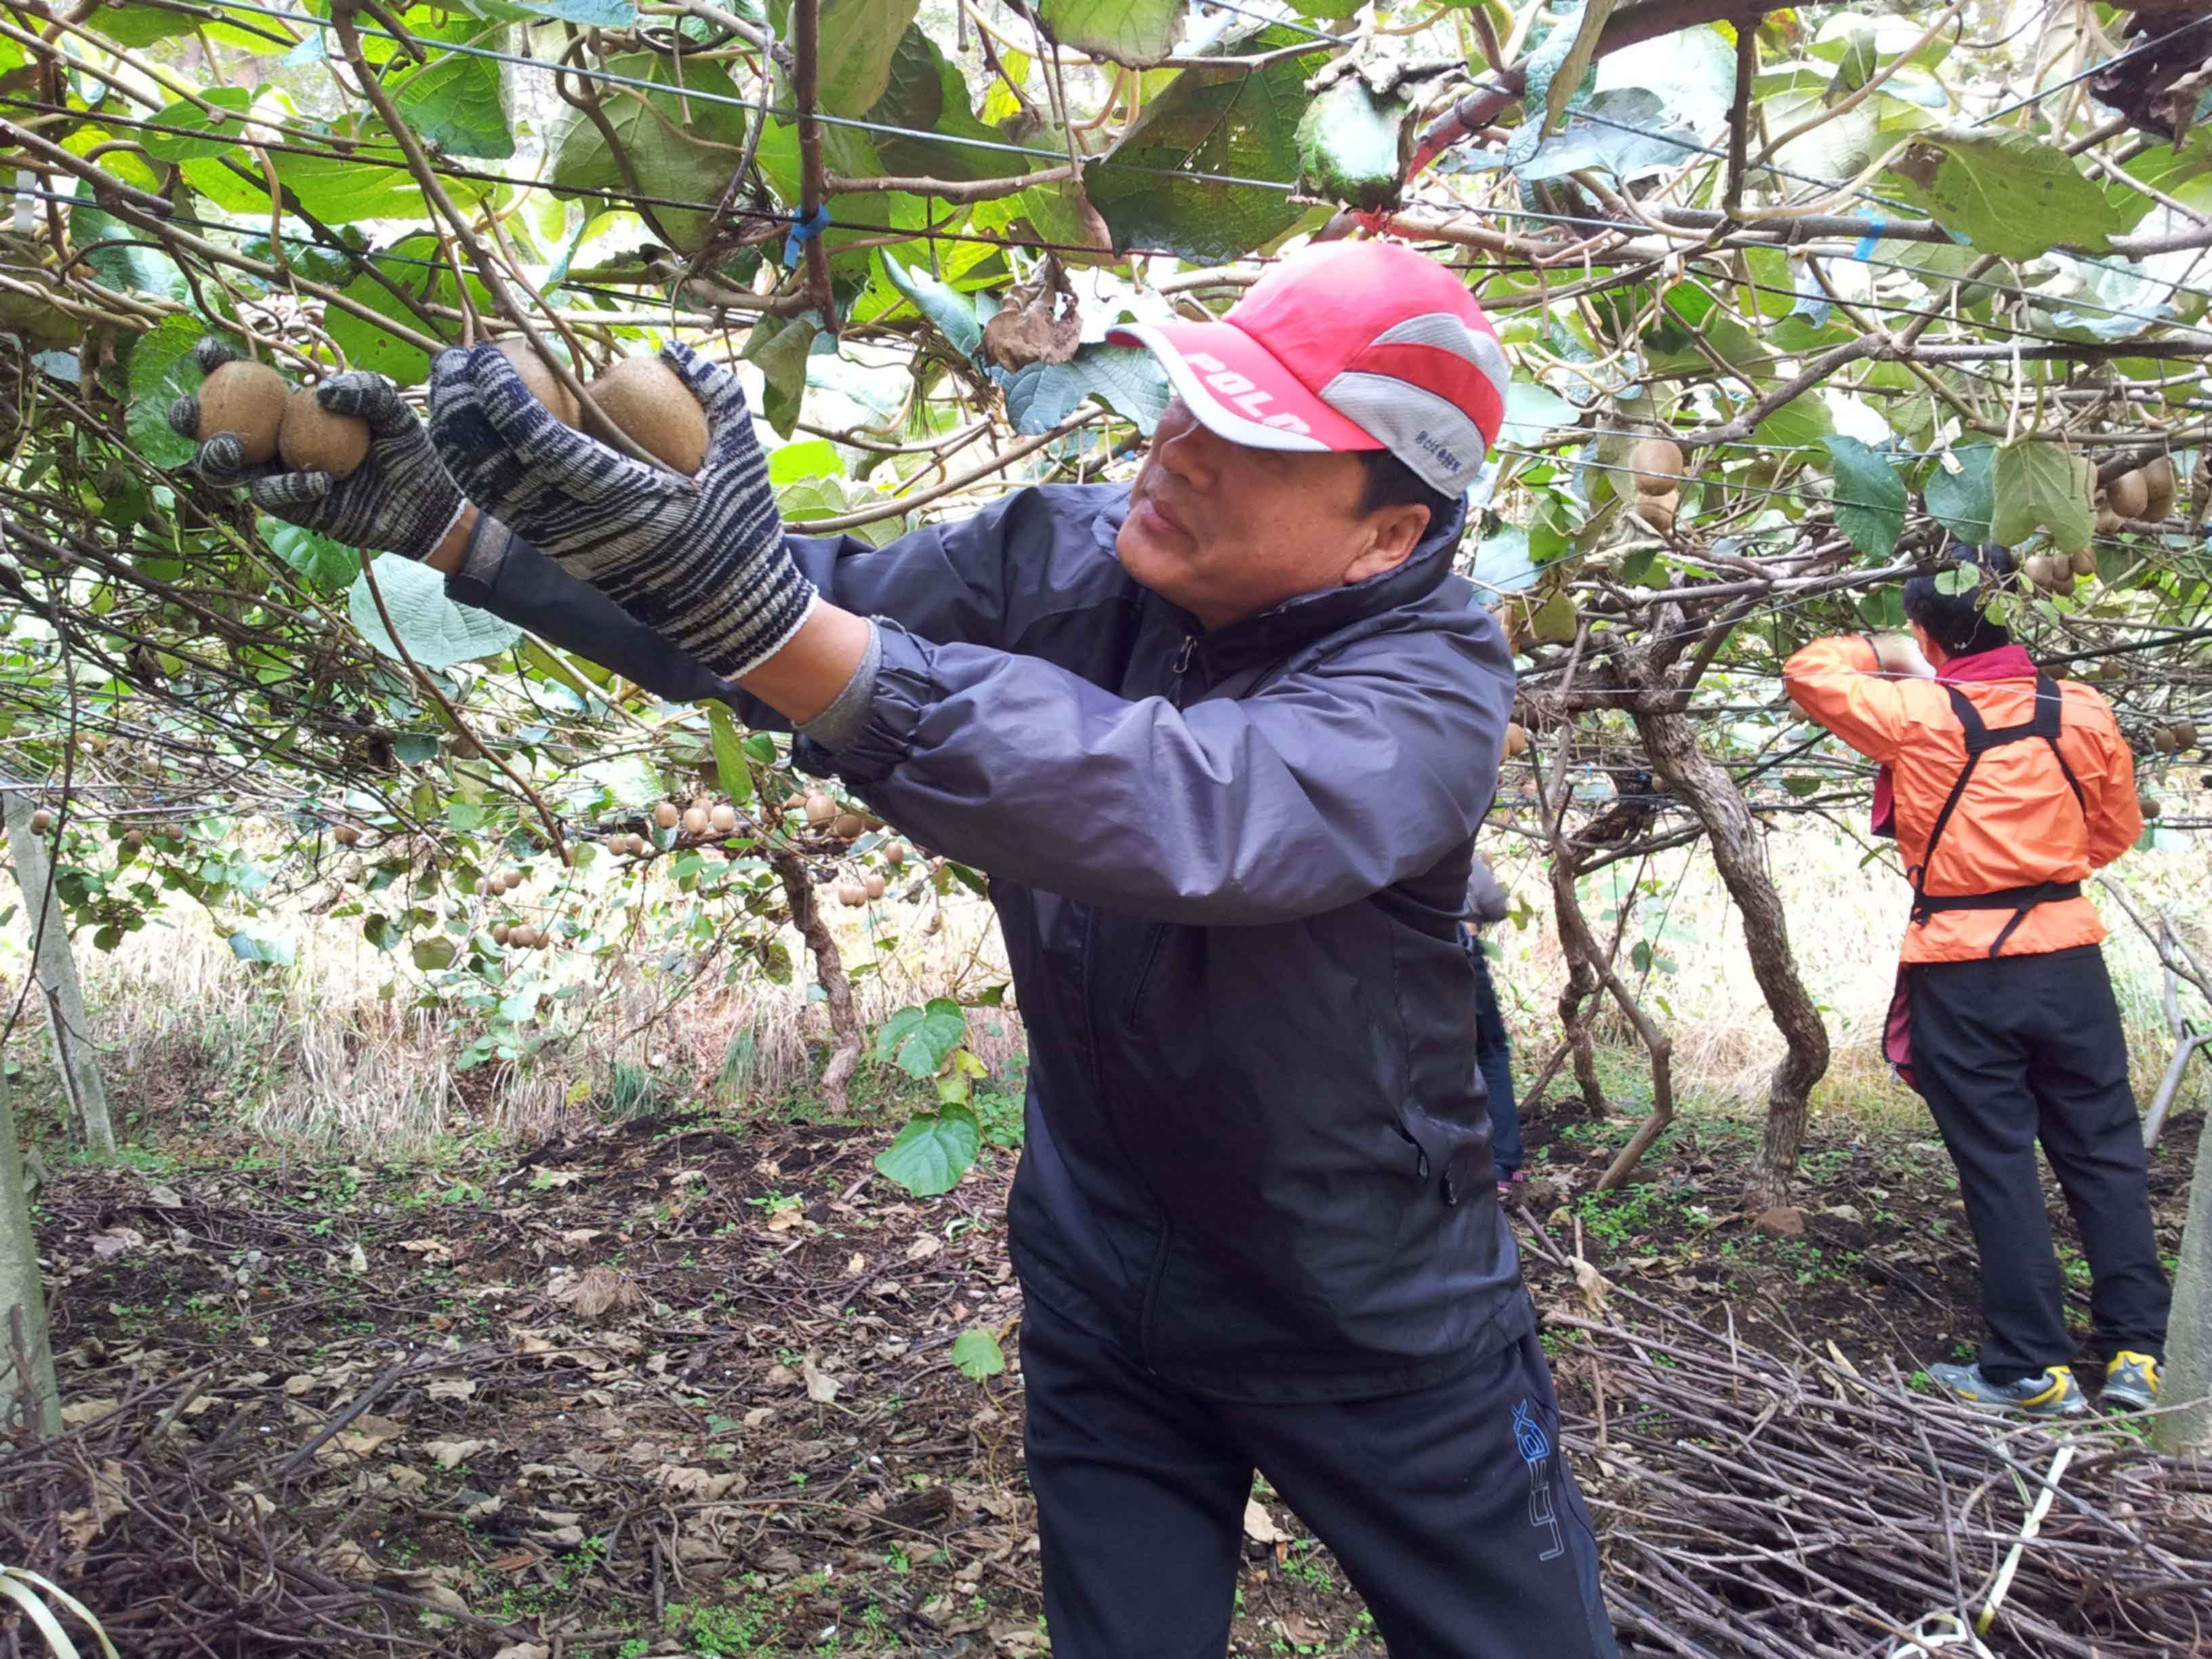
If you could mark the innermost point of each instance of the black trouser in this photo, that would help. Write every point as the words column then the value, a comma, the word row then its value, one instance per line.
column 1450, row 1508
column 2027, row 1048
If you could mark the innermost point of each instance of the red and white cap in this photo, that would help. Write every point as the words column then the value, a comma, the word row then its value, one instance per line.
column 1349, row 346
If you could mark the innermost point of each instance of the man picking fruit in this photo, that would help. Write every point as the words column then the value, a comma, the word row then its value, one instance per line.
column 1222, row 737
column 2004, row 789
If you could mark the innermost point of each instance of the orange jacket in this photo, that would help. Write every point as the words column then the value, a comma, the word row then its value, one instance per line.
column 2018, row 822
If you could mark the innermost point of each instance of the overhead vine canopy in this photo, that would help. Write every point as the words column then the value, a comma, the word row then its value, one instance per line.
column 1857, row 285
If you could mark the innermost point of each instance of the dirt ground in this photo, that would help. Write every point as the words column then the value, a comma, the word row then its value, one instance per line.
column 686, row 1385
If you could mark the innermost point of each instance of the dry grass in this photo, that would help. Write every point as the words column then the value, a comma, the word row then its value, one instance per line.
column 332, row 1054
column 1846, row 919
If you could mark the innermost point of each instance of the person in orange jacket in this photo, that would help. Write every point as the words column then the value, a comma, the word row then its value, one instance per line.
column 2005, row 789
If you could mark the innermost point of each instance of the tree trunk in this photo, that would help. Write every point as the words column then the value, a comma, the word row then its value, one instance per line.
column 1720, row 806
column 28, row 1393
column 2188, row 1379
column 829, row 969
column 1574, row 927
column 53, row 974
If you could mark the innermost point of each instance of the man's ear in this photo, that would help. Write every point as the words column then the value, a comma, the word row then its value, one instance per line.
column 1395, row 532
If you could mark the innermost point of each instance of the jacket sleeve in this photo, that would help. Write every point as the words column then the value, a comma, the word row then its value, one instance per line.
column 945, row 582
column 1326, row 786
column 2114, row 812
column 1835, row 683
column 523, row 586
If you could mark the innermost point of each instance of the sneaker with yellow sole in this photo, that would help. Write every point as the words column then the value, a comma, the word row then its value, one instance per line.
column 2131, row 1381
column 2052, row 1393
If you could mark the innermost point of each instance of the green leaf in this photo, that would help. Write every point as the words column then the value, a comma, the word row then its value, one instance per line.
column 1351, row 144
column 1629, row 133
column 1556, row 68
column 223, row 134
column 415, row 267
column 925, row 1041
column 129, row 25
column 454, row 102
column 437, row 632
column 1128, row 379
column 679, row 147
column 932, row 1153
column 976, row 1353
column 1798, row 424
column 926, row 94
column 731, row 772
column 780, row 345
column 1869, row 496
column 1132, row 32
column 1234, row 123
column 1690, row 72
column 250, row 947
column 433, row 952
column 2039, row 486
column 951, row 311
column 590, row 13
column 2010, row 193
column 1963, row 501
column 858, row 38
column 328, row 565
column 161, row 371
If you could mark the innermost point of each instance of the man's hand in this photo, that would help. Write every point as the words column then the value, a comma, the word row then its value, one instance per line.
column 700, row 561
column 400, row 500
column 1899, row 656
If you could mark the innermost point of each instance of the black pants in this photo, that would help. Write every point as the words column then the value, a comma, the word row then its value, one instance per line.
column 1450, row 1508
column 2026, row 1049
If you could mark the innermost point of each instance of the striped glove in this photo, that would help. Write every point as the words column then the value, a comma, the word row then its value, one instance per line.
column 400, row 500
column 700, row 562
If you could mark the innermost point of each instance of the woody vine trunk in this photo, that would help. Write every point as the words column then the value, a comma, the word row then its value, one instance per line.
column 1711, row 794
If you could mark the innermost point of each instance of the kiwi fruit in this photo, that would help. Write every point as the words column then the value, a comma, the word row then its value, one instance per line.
column 655, row 410
column 695, row 821
column 135, row 840
column 248, row 399
column 2158, row 488
column 852, row 893
column 2150, row 807
column 617, row 845
column 2129, row 493
column 501, row 932
column 895, row 854
column 347, row 834
column 847, row 826
column 724, row 817
column 666, row 816
column 313, row 440
column 2082, row 562
column 820, row 809
column 874, row 885
column 2163, row 741
column 523, row 938
column 1516, row 738
column 41, row 821
column 2185, row 735
column 1658, row 510
column 2108, row 522
column 1658, row 465
column 540, row 378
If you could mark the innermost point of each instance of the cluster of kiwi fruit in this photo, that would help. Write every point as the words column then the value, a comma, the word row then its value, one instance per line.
column 2175, row 739
column 719, row 819
column 1657, row 464
column 520, row 937
column 270, row 418
column 642, row 396
column 2145, row 494
column 2055, row 573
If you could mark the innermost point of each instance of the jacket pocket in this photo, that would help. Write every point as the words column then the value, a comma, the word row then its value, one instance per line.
column 1148, row 957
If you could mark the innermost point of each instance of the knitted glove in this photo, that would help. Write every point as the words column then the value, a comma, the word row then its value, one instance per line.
column 700, row 562
column 400, row 500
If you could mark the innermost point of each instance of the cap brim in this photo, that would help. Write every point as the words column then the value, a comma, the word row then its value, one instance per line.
column 1238, row 391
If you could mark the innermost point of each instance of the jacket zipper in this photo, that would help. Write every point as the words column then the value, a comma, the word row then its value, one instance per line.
column 1182, row 666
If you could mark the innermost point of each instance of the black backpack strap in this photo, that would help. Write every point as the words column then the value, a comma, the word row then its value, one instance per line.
column 2050, row 706
column 1977, row 742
